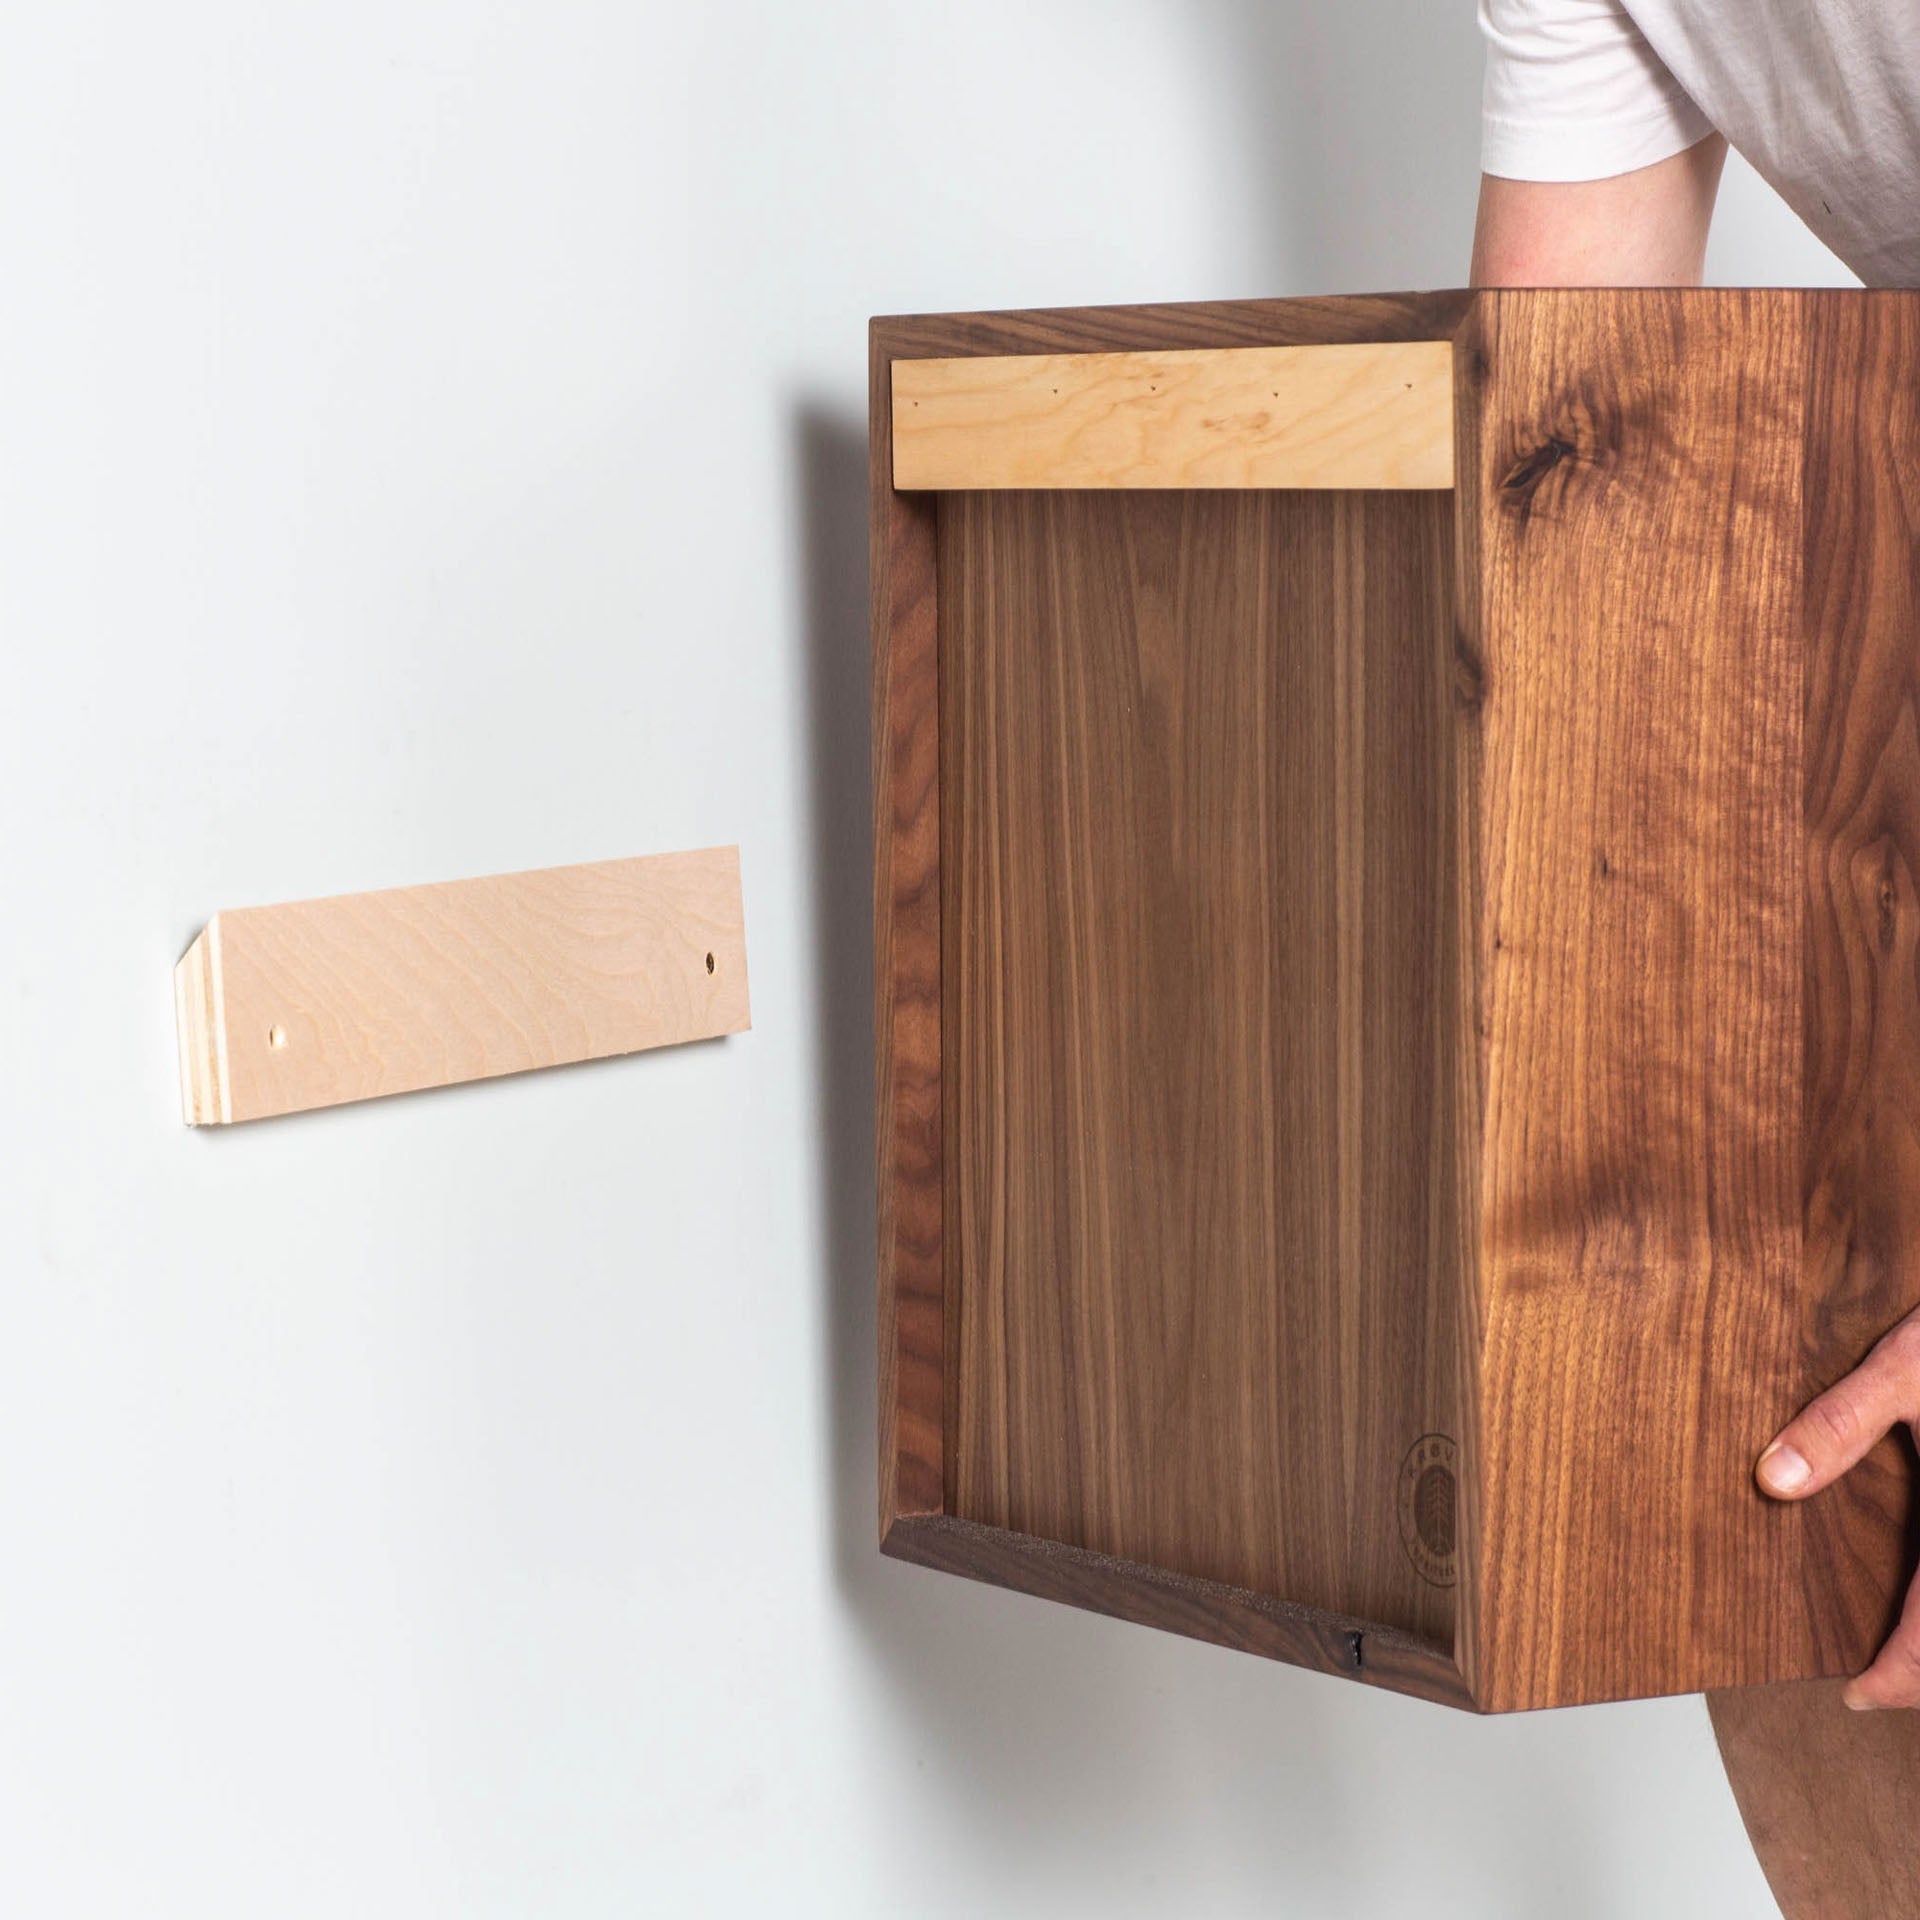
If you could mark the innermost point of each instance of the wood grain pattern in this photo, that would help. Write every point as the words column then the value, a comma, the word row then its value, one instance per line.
column 1354, row 414
column 317, row 1002
column 1197, row 1133
column 1316, row 321
column 917, row 1305
column 1465, row 949
column 197, row 1031
column 1406, row 959
column 1827, row 1797
column 1150, row 1596
column 1639, row 1286
column 906, row 972
column 1861, row 799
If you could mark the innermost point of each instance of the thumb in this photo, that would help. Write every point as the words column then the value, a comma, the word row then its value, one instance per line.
column 1837, row 1429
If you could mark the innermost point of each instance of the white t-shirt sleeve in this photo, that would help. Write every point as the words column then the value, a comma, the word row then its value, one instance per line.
column 1573, row 92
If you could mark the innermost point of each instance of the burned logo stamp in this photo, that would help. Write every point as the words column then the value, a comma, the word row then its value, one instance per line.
column 1427, row 1508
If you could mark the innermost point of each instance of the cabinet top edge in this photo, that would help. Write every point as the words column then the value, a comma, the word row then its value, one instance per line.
column 1304, row 319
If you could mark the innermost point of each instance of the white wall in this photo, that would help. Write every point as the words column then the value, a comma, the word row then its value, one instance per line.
column 431, row 444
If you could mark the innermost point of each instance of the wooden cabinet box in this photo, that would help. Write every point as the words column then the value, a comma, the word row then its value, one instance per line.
column 1397, row 823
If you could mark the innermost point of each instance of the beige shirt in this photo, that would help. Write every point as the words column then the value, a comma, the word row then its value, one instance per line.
column 1822, row 96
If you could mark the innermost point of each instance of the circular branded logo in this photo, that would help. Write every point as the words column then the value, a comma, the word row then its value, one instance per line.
column 1427, row 1494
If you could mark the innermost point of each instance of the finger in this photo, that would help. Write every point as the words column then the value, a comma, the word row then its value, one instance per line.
column 1894, row 1678
column 1839, row 1427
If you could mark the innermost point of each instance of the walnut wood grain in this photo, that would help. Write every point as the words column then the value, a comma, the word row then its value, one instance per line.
column 918, row 1303
column 1861, row 799
column 1640, row 1288
column 1189, row 826
column 1464, row 948
column 1314, row 321
column 1150, row 1596
column 1401, row 961
column 906, row 973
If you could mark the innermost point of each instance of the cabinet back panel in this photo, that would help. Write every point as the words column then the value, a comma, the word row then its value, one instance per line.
column 1198, row 973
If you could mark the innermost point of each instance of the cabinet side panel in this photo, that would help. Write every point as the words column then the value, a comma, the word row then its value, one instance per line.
column 1200, row 1147
column 906, row 975
column 1862, row 799
column 1639, row 492
column 1466, row 968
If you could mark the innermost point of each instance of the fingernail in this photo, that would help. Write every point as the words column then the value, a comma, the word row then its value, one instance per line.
column 1857, row 1702
column 1783, row 1470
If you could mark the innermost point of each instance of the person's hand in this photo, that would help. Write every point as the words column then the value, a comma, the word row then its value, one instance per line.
column 1821, row 1443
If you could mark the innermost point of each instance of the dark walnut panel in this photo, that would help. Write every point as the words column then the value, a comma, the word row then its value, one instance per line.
column 1398, row 1011
column 1860, row 786
column 1197, row 1139
column 1639, row 482
column 1828, row 1795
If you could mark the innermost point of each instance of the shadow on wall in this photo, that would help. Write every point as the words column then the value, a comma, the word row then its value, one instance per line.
column 832, row 480
column 1049, row 1731
column 1046, row 1728
column 1051, row 1735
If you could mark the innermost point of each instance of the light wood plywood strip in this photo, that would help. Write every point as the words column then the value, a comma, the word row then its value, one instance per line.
column 1342, row 416
column 319, row 1002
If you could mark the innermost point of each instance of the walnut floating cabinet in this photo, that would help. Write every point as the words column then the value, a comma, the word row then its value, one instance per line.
column 1398, row 969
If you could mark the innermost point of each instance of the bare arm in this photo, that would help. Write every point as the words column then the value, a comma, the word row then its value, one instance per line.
column 1647, row 228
